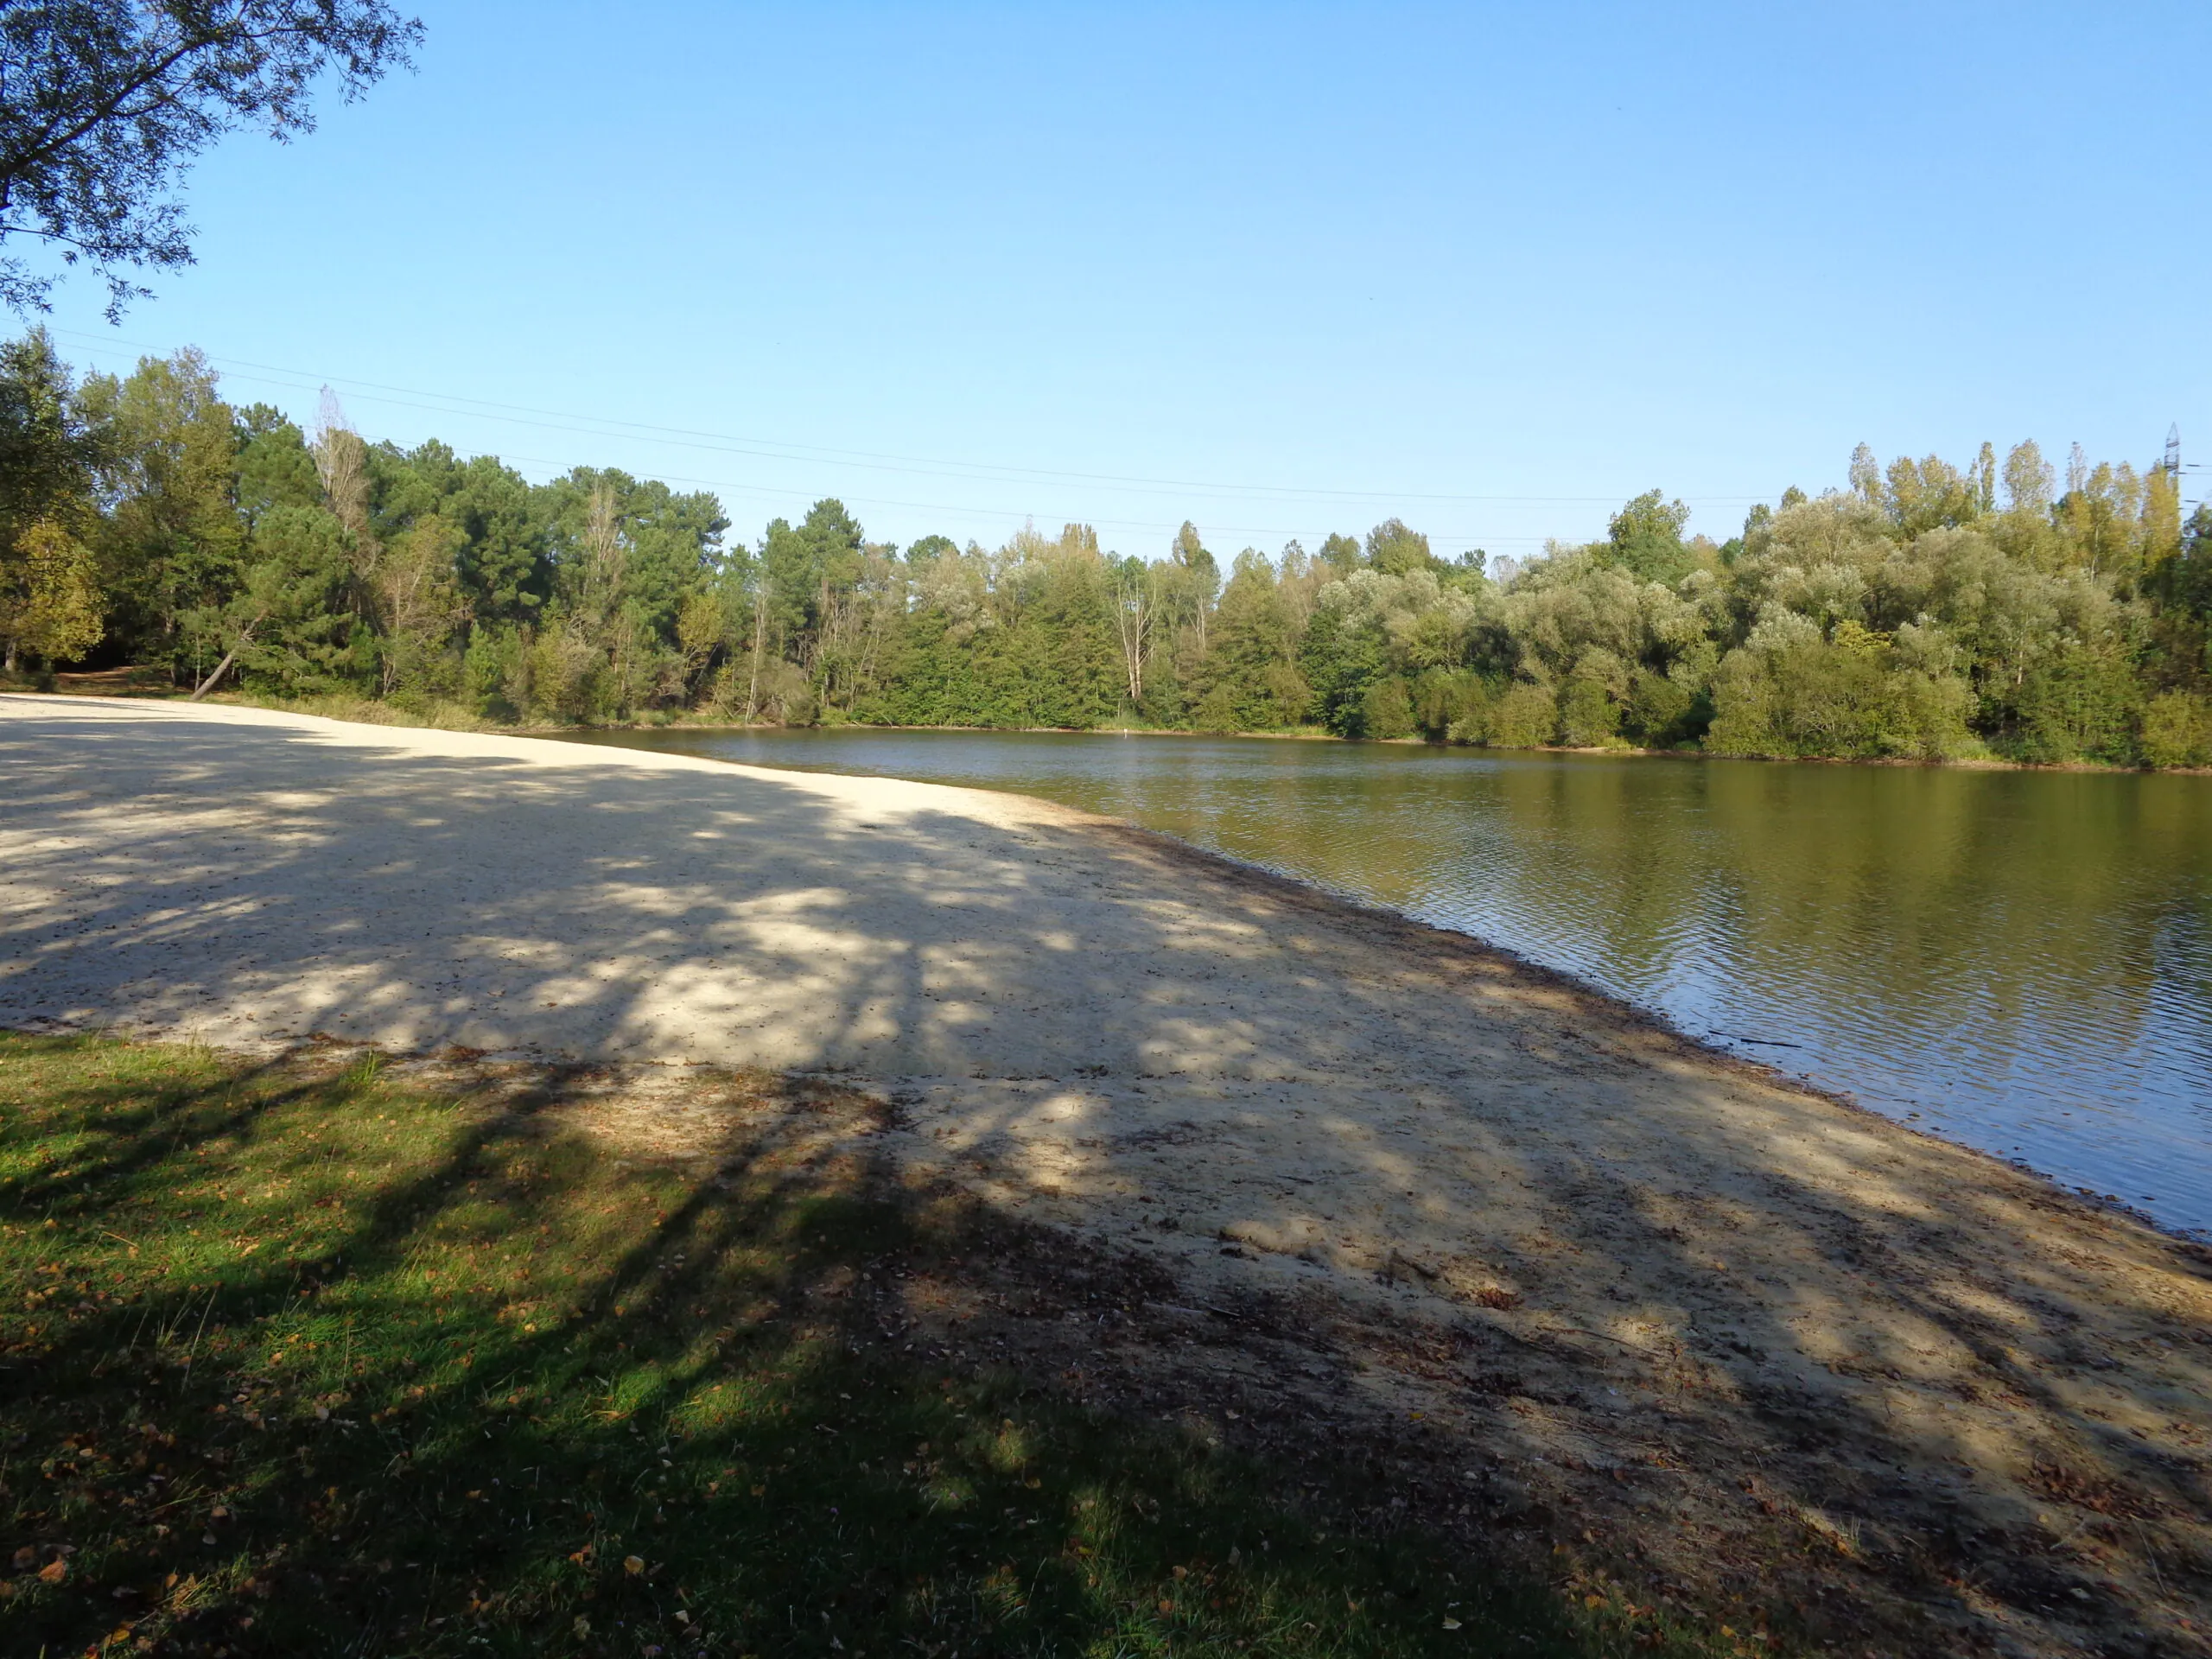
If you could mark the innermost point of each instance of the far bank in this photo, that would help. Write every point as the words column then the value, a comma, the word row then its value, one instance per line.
column 453, row 717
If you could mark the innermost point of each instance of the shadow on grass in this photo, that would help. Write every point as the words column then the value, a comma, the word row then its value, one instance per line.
column 299, row 1359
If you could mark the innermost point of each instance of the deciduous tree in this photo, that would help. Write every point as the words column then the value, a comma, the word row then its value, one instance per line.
column 107, row 101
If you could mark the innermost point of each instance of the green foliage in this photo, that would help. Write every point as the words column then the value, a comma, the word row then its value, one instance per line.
column 1452, row 705
column 930, row 546
column 1386, row 708
column 1248, row 679
column 1789, row 691
column 171, row 542
column 505, row 559
column 49, row 449
column 274, row 467
column 108, row 102
column 1589, row 715
column 1340, row 658
column 1927, row 612
column 563, row 678
column 292, row 619
column 1395, row 550
column 1341, row 553
column 1525, row 717
column 50, row 597
column 2178, row 730
column 1645, row 538
column 490, row 671
column 1671, row 709
column 2077, row 704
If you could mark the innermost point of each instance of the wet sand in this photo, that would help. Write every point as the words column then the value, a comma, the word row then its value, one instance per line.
column 1744, row 1326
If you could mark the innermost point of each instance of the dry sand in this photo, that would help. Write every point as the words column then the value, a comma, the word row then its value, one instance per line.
column 1727, row 1333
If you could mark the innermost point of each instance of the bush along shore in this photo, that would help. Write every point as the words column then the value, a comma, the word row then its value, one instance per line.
column 2008, row 608
column 313, row 1355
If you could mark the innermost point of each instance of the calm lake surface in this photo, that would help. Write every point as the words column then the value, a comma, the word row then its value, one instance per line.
column 2021, row 961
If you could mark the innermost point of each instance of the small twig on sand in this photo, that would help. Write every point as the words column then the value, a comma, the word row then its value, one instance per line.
column 2151, row 1556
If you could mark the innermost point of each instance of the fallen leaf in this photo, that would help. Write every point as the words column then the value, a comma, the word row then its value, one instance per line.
column 25, row 1556
column 634, row 1565
column 1451, row 1623
column 53, row 1572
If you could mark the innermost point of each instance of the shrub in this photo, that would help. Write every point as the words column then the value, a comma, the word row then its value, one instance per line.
column 1660, row 709
column 488, row 669
column 561, row 673
column 1588, row 717
column 2177, row 730
column 1850, row 698
column 2079, row 705
column 1217, row 710
column 1525, row 717
column 1386, row 710
column 1452, row 705
column 1743, row 700
column 786, row 695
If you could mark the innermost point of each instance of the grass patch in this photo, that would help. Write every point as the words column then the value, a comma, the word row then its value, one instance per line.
column 302, row 1360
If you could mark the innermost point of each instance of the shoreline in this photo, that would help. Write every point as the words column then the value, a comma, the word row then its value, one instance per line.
column 1623, row 1008
column 687, row 721
column 1570, row 1238
column 1423, row 936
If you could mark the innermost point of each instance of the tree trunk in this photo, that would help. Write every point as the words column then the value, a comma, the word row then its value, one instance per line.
column 759, row 629
column 229, row 656
column 221, row 668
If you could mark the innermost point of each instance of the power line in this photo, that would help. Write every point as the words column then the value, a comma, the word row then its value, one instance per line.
column 771, row 449
column 1162, row 525
column 761, row 491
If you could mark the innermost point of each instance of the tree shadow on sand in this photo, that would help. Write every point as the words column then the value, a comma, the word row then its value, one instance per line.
column 1874, row 1384
column 332, row 1364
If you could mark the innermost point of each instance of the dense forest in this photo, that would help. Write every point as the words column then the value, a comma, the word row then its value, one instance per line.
column 1925, row 611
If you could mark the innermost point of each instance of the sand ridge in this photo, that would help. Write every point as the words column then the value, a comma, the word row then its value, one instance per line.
column 1632, row 1264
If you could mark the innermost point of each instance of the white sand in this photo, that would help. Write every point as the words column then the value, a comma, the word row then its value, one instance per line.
column 1105, row 1031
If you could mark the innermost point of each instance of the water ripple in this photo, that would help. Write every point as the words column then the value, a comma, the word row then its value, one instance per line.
column 2020, row 961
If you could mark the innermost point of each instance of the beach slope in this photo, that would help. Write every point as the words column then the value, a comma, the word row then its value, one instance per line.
column 1630, row 1280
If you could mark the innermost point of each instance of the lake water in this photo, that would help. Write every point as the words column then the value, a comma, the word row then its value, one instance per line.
column 2022, row 960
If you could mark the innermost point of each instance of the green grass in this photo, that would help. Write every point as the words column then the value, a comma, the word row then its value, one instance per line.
column 295, row 1361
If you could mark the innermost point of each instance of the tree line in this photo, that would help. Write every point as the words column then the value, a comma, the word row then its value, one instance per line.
column 1925, row 611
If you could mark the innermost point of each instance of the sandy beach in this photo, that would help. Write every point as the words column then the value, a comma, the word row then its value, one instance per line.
column 1624, row 1280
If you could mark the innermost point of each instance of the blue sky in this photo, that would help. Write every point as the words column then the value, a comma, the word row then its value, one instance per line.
column 1280, row 269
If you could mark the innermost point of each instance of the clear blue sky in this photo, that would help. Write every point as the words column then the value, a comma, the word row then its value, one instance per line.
column 1490, row 268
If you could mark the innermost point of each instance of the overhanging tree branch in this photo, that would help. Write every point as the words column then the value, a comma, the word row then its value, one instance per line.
column 103, row 104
